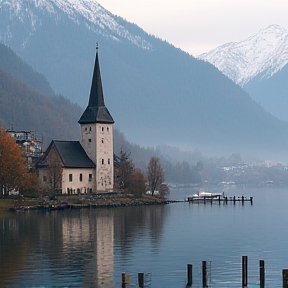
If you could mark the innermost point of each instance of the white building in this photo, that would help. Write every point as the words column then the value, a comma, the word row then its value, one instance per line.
column 72, row 167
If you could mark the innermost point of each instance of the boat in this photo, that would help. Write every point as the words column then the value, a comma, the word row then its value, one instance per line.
column 204, row 195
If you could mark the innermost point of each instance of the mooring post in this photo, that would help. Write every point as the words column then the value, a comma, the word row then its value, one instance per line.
column 141, row 280
column 204, row 274
column 189, row 275
column 285, row 278
column 262, row 273
column 123, row 280
column 244, row 271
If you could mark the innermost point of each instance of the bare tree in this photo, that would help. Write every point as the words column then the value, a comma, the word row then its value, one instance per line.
column 55, row 171
column 155, row 174
column 124, row 168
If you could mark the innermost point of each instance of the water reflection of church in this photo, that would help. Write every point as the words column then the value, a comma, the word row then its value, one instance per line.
column 94, row 236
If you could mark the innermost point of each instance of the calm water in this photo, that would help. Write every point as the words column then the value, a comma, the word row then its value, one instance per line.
column 91, row 248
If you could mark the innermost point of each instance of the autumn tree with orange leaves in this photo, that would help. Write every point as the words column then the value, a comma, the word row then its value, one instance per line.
column 13, row 171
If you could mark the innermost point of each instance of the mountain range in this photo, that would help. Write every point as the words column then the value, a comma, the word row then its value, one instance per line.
column 157, row 94
column 259, row 64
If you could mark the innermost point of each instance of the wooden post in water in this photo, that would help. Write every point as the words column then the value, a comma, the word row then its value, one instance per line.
column 141, row 280
column 244, row 271
column 123, row 280
column 285, row 278
column 262, row 273
column 189, row 275
column 204, row 274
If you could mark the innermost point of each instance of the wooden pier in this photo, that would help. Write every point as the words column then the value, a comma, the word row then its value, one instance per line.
column 220, row 198
column 145, row 279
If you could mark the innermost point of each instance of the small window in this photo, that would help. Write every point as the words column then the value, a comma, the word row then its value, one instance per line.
column 90, row 177
column 107, row 129
column 70, row 177
column 44, row 178
column 90, row 129
column 85, row 128
column 102, row 129
column 102, row 140
column 89, row 140
column 80, row 177
column 108, row 161
column 102, row 161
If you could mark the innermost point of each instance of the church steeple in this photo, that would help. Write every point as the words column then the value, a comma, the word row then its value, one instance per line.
column 96, row 111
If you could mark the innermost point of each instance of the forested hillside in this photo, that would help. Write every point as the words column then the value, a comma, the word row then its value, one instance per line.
column 27, row 101
column 23, row 108
column 14, row 65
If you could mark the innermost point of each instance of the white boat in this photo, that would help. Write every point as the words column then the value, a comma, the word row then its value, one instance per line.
column 203, row 195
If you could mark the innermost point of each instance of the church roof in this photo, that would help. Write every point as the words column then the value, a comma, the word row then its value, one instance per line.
column 96, row 111
column 71, row 153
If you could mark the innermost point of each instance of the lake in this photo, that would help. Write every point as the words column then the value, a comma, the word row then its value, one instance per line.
column 91, row 248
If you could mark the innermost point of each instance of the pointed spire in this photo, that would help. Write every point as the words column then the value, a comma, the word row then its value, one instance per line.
column 96, row 111
column 96, row 92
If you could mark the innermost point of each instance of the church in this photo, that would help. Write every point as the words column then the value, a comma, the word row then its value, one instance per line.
column 85, row 166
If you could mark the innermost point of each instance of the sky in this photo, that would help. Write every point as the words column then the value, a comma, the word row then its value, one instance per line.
column 198, row 26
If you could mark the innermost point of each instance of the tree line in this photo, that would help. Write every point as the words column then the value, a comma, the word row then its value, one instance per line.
column 15, row 176
column 131, row 180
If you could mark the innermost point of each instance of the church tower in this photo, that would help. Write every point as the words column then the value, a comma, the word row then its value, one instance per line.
column 97, row 134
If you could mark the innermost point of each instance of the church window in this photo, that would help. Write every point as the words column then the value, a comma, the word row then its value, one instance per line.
column 90, row 177
column 102, row 140
column 44, row 178
column 109, row 161
column 102, row 161
column 80, row 177
column 85, row 128
column 102, row 129
column 90, row 129
column 107, row 129
column 70, row 177
column 89, row 140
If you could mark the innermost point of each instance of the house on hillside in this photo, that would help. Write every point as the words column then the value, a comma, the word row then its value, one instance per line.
column 30, row 143
column 73, row 167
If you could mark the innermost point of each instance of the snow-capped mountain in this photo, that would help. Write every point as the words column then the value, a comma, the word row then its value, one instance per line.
column 82, row 12
column 156, row 93
column 261, row 55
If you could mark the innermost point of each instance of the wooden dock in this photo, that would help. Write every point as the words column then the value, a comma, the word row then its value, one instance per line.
column 220, row 198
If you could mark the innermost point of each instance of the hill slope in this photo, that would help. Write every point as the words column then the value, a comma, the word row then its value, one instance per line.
column 156, row 93
column 24, row 108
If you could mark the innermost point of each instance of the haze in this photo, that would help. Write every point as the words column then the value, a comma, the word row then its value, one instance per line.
column 198, row 26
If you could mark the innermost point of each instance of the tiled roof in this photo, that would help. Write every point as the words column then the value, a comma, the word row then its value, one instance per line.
column 72, row 154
